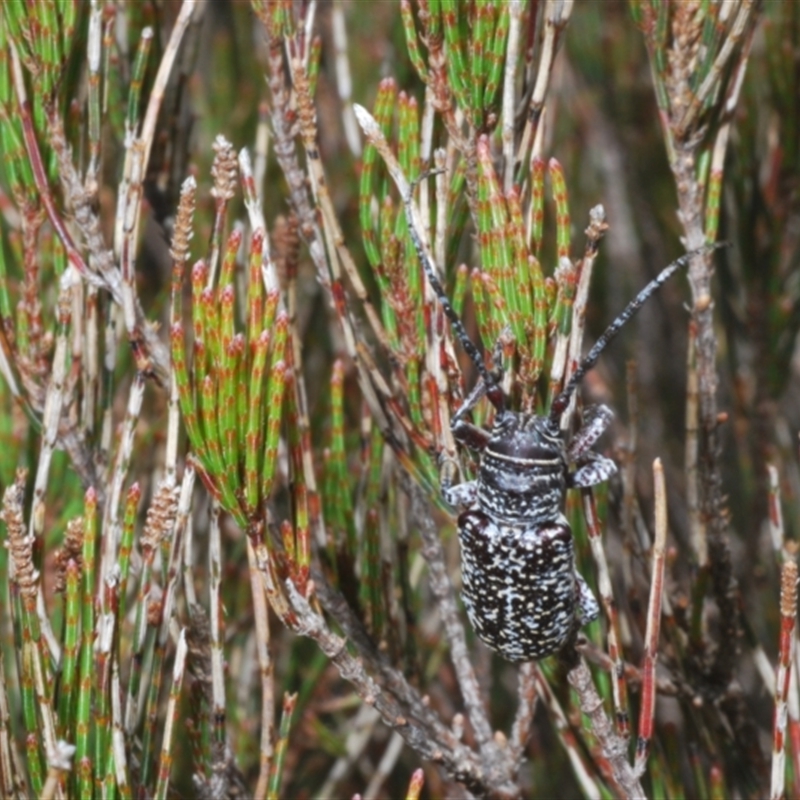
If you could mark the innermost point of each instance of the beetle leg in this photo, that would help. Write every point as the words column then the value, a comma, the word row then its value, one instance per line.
column 449, row 471
column 471, row 435
column 465, row 432
column 588, row 607
column 597, row 469
column 463, row 495
column 595, row 420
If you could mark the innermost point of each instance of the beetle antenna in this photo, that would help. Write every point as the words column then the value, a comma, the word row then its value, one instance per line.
column 563, row 399
column 493, row 390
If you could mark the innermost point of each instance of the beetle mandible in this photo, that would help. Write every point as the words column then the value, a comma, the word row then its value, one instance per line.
column 523, row 594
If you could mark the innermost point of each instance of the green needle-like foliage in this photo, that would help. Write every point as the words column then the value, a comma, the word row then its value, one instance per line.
column 173, row 307
column 233, row 450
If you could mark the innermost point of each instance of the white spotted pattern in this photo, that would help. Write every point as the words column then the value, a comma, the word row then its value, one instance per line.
column 520, row 588
column 522, row 593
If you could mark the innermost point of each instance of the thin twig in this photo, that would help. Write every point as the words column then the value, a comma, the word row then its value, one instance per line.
column 629, row 468
column 343, row 81
column 577, row 760
column 775, row 515
column 509, row 79
column 129, row 206
column 594, row 234
column 42, row 184
column 389, row 759
column 440, row 346
column 111, row 521
column 697, row 527
column 794, row 719
column 93, row 52
column 618, row 685
column 374, row 388
column 376, row 661
column 58, row 768
column 283, row 115
column 10, row 770
column 614, row 747
column 783, row 678
column 150, row 353
column 90, row 362
column 744, row 19
column 217, row 662
column 356, row 739
column 458, row 760
column 51, row 418
column 176, row 526
column 520, row 730
column 119, row 752
column 166, row 758
column 647, row 710
column 338, row 252
column 556, row 16
column 266, row 668
column 298, row 385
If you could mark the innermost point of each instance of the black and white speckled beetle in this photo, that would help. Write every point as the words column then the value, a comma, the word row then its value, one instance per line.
column 523, row 594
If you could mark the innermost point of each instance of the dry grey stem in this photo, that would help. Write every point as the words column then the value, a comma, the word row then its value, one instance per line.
column 614, row 747
column 457, row 759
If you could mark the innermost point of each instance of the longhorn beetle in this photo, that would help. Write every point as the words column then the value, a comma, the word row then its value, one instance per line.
column 522, row 592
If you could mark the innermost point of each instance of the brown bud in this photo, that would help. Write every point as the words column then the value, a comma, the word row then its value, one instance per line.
column 71, row 550
column 183, row 223
column 789, row 589
column 20, row 545
column 224, row 169
column 154, row 613
column 160, row 516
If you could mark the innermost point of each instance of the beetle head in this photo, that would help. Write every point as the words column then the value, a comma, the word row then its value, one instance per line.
column 523, row 469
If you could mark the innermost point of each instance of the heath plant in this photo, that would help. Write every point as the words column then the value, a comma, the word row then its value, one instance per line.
column 257, row 260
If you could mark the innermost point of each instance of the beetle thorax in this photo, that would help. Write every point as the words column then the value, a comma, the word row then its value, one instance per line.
column 522, row 476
